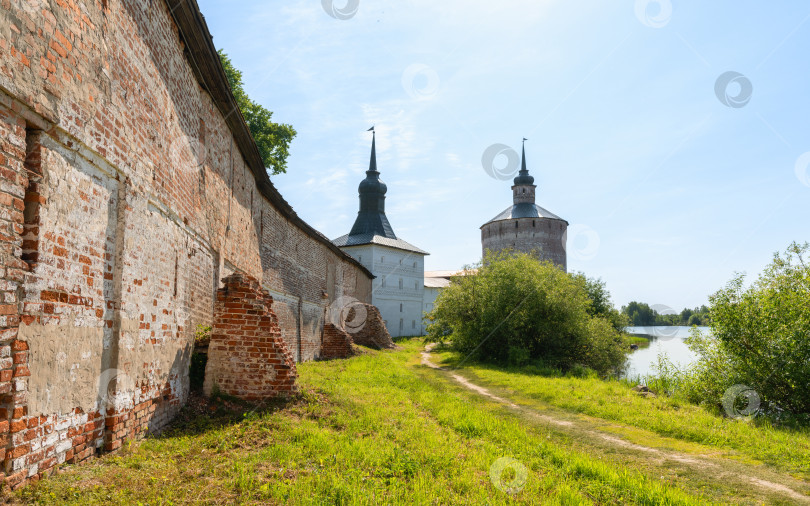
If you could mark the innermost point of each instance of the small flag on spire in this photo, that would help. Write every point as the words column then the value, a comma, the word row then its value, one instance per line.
column 370, row 129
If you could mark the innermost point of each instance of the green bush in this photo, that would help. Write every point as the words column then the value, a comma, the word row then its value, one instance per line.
column 601, row 305
column 760, row 338
column 516, row 309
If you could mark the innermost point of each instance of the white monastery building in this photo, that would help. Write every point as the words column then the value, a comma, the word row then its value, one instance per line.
column 398, row 266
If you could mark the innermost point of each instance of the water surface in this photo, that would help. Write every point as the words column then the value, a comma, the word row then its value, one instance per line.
column 669, row 340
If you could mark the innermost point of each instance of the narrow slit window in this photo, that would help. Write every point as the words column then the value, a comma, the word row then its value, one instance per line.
column 32, row 200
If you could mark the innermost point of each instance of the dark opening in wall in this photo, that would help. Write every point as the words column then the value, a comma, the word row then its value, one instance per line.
column 33, row 200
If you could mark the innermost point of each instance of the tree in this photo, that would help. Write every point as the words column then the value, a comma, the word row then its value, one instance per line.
column 272, row 139
column 760, row 337
column 641, row 314
column 601, row 304
column 517, row 309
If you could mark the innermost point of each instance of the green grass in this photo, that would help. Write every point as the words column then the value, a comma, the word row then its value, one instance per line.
column 375, row 429
column 784, row 448
column 639, row 340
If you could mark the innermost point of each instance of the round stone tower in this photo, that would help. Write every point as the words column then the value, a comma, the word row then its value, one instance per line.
column 526, row 227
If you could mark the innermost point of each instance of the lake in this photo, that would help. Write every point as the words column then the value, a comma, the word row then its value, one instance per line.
column 662, row 339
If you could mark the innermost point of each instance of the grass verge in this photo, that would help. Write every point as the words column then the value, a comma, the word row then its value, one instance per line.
column 786, row 449
column 377, row 428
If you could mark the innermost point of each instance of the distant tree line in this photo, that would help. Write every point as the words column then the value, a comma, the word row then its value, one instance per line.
column 641, row 314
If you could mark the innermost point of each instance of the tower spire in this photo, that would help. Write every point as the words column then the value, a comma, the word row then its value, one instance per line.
column 372, row 164
column 371, row 218
column 523, row 157
column 523, row 177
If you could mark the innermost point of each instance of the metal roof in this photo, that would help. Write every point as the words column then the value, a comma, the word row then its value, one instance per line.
column 361, row 239
column 437, row 283
column 523, row 177
column 371, row 225
column 450, row 274
column 525, row 210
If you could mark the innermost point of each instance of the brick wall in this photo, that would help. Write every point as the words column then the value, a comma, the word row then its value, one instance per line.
column 246, row 356
column 367, row 328
column 542, row 237
column 336, row 343
column 13, row 359
column 125, row 197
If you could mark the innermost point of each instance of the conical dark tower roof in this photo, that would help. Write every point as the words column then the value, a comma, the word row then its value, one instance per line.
column 371, row 225
column 371, row 218
column 523, row 177
column 523, row 198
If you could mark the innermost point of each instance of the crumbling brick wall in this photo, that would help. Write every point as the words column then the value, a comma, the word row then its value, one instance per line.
column 246, row 356
column 367, row 327
column 140, row 193
column 337, row 343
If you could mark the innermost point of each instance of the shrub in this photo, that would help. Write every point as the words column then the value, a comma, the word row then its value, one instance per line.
column 516, row 309
column 760, row 338
column 601, row 305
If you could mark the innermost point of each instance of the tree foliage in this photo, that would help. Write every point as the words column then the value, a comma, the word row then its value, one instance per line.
column 601, row 303
column 516, row 309
column 760, row 338
column 272, row 139
column 641, row 314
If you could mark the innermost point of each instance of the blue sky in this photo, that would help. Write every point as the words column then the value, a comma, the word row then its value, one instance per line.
column 668, row 191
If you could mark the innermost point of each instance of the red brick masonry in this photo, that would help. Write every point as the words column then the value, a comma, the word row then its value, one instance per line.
column 336, row 343
column 372, row 332
column 247, row 358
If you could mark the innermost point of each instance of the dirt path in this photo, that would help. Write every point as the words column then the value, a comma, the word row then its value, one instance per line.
column 715, row 469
